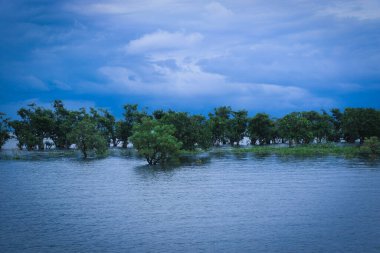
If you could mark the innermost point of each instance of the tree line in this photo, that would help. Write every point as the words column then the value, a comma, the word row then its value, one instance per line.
column 160, row 134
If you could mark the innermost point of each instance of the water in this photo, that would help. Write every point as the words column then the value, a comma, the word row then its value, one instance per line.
column 221, row 203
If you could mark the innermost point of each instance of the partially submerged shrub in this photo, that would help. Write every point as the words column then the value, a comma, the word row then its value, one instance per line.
column 371, row 146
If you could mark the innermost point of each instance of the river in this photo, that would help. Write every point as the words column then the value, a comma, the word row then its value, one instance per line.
column 211, row 203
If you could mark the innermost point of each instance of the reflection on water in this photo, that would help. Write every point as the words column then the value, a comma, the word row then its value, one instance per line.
column 210, row 202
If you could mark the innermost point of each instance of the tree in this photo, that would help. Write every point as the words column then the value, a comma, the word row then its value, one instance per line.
column 158, row 114
column 336, row 119
column 4, row 129
column 320, row 125
column 131, row 116
column 360, row 123
column 87, row 137
column 201, row 131
column 371, row 146
column 155, row 141
column 192, row 131
column 36, row 124
column 261, row 128
column 219, row 123
column 295, row 127
column 237, row 126
column 64, row 121
column 106, row 124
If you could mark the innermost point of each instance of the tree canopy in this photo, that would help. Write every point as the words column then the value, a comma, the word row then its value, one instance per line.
column 155, row 141
column 38, row 128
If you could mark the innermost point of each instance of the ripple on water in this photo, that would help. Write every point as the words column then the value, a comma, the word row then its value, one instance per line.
column 217, row 203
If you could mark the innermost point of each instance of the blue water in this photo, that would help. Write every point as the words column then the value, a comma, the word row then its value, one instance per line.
column 220, row 203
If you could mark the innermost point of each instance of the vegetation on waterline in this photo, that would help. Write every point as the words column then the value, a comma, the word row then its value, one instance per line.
column 308, row 149
column 40, row 128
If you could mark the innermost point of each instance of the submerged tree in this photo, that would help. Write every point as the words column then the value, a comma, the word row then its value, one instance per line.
column 321, row 126
column 261, row 128
column 124, row 128
column 64, row 121
column 87, row 137
column 4, row 129
column 237, row 126
column 192, row 131
column 106, row 124
column 371, row 146
column 336, row 120
column 155, row 141
column 360, row 123
column 36, row 124
column 219, row 124
column 295, row 127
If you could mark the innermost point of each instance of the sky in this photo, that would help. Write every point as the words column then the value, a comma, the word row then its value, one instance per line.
column 190, row 55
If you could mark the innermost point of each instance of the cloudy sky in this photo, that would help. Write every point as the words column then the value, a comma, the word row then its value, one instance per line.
column 192, row 55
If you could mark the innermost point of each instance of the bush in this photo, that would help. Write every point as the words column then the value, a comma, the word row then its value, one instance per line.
column 371, row 146
column 155, row 141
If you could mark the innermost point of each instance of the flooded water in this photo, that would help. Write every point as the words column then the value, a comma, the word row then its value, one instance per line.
column 215, row 203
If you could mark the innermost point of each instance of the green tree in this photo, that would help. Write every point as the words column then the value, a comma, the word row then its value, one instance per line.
column 158, row 114
column 106, row 124
column 261, row 128
column 336, row 119
column 132, row 116
column 155, row 141
column 201, row 131
column 192, row 131
column 320, row 125
column 237, row 126
column 36, row 124
column 63, row 124
column 219, row 124
column 86, row 136
column 371, row 146
column 295, row 127
column 4, row 129
column 360, row 123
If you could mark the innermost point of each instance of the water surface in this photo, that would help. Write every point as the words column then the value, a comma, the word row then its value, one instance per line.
column 216, row 203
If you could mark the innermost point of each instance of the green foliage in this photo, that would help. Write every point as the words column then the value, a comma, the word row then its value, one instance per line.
column 106, row 124
column 87, row 137
column 192, row 131
column 237, row 126
column 321, row 126
column 336, row 120
column 4, row 129
column 64, row 121
column 261, row 128
column 371, row 146
column 304, row 150
column 360, row 123
column 295, row 127
column 124, row 128
column 155, row 141
column 36, row 124
column 97, row 130
column 219, row 124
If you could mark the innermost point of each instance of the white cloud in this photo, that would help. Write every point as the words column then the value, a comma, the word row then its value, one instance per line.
column 62, row 85
column 359, row 9
column 35, row 83
column 163, row 40
column 218, row 10
column 191, row 82
column 188, row 80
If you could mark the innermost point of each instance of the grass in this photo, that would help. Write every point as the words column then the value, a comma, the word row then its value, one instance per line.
column 303, row 150
column 300, row 150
